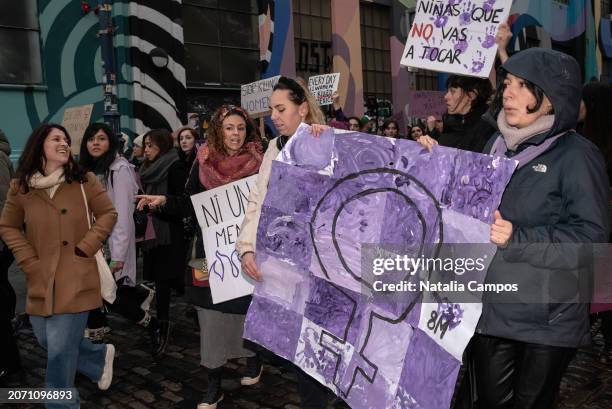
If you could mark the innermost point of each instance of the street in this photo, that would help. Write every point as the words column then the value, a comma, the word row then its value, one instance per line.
column 177, row 381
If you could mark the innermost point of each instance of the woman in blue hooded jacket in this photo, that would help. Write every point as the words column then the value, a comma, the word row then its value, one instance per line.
column 553, row 210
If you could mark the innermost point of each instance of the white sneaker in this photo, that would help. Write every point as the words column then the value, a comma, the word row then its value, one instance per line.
column 107, row 374
column 146, row 304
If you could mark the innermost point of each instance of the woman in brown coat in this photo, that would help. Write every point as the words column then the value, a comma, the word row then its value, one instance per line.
column 56, row 251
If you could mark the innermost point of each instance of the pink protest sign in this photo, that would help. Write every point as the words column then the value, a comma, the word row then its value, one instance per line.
column 421, row 104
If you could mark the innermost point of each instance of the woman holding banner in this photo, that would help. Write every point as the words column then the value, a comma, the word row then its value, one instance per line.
column 233, row 151
column 291, row 104
column 553, row 209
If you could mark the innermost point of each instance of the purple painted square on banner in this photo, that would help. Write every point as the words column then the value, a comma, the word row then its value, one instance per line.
column 279, row 334
column 329, row 197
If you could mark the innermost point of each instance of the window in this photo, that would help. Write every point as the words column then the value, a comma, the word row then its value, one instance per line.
column 221, row 42
column 312, row 34
column 20, row 61
column 426, row 80
column 375, row 51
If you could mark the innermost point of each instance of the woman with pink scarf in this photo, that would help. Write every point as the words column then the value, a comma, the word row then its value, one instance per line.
column 232, row 152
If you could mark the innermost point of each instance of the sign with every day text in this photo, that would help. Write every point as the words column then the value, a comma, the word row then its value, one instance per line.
column 323, row 86
column 220, row 212
column 455, row 36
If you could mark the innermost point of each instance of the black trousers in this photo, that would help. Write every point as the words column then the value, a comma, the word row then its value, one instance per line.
column 313, row 395
column 9, row 354
column 162, row 265
column 512, row 374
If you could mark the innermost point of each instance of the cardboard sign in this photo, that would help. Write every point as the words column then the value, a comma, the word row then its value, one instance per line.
column 220, row 212
column 422, row 104
column 76, row 120
column 455, row 36
column 255, row 97
column 323, row 86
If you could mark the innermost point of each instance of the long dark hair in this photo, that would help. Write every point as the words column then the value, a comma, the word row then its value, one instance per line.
column 101, row 165
column 597, row 97
column 33, row 158
column 388, row 123
column 187, row 157
column 480, row 86
column 162, row 138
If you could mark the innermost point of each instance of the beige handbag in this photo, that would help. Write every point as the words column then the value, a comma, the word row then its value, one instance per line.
column 199, row 268
column 108, row 286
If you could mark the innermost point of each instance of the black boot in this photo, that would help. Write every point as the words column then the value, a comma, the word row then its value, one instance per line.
column 214, row 394
column 152, row 326
column 192, row 314
column 164, row 337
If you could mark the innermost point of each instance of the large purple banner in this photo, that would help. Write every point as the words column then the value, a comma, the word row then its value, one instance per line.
column 330, row 199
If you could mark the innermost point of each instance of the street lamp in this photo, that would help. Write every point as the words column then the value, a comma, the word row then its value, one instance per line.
column 159, row 57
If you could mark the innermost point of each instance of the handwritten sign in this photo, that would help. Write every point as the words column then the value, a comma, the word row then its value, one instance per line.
column 323, row 86
column 255, row 97
column 76, row 120
column 455, row 36
column 421, row 104
column 220, row 212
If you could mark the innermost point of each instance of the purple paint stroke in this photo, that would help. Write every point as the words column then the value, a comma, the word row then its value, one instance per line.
column 489, row 40
column 219, row 261
column 461, row 46
column 488, row 5
column 452, row 313
column 465, row 17
column 269, row 324
column 235, row 264
column 429, row 380
column 440, row 21
column 478, row 63
column 329, row 307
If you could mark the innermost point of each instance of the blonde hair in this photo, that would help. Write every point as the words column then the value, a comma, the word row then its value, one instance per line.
column 298, row 94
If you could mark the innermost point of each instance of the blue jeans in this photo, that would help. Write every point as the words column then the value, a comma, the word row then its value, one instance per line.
column 68, row 351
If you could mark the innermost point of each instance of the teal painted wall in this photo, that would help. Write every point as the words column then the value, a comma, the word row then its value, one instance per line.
column 72, row 71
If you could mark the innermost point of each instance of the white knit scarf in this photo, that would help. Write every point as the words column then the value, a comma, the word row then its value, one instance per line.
column 51, row 182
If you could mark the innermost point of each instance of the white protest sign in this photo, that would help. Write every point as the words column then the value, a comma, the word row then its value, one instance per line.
column 323, row 86
column 255, row 97
column 455, row 36
column 220, row 212
column 76, row 120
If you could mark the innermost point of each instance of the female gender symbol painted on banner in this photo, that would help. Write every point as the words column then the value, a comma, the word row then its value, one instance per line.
column 344, row 215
